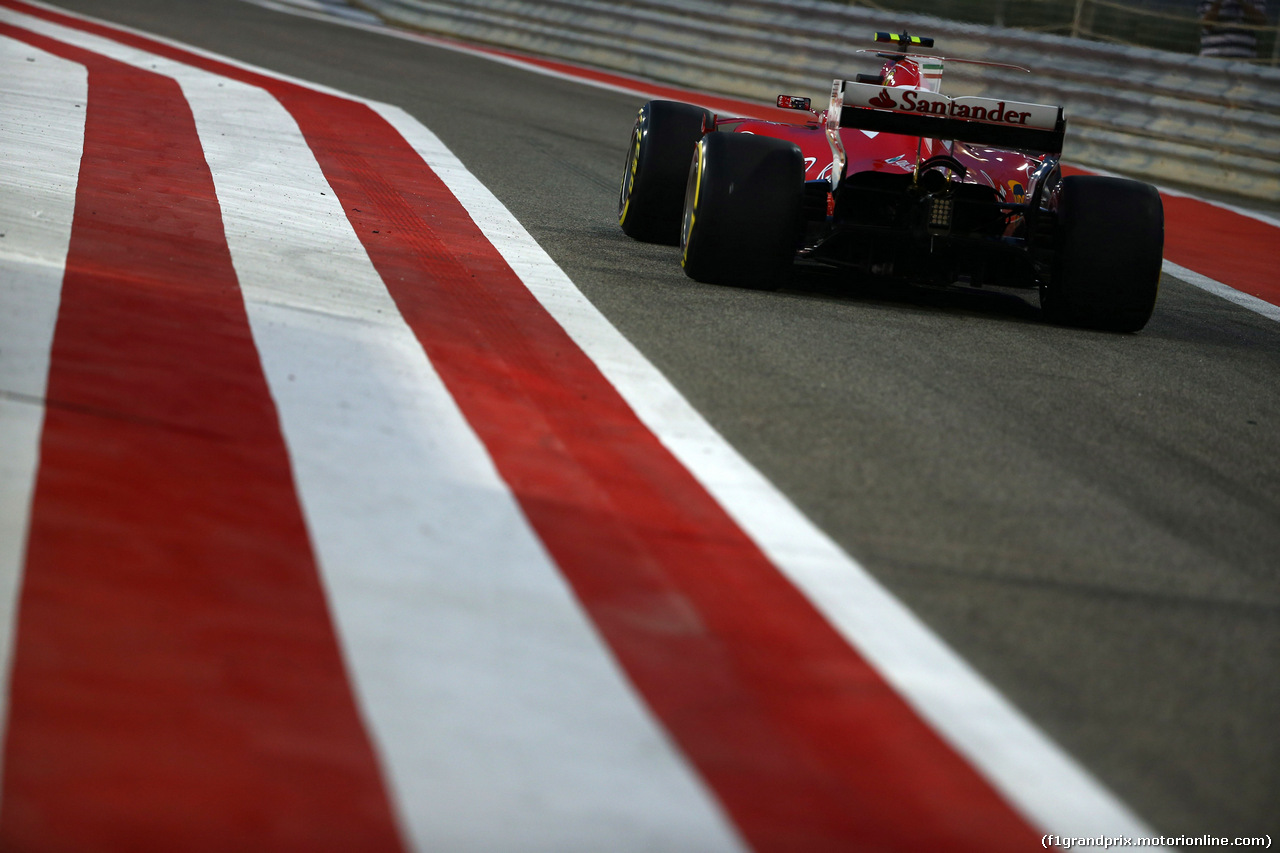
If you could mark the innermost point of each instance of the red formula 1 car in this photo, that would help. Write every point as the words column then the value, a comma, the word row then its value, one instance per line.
column 895, row 179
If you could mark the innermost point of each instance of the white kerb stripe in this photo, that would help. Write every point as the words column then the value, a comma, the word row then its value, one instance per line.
column 42, row 108
column 1032, row 772
column 502, row 720
column 1217, row 288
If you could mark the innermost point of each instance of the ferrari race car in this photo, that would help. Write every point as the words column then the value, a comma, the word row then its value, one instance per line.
column 897, row 180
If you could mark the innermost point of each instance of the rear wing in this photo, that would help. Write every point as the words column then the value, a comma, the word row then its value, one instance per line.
column 983, row 121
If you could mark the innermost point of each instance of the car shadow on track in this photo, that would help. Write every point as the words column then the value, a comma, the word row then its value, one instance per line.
column 836, row 286
column 839, row 286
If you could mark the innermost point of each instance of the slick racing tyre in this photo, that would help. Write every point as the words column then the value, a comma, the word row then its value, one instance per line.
column 662, row 141
column 1110, row 239
column 742, row 210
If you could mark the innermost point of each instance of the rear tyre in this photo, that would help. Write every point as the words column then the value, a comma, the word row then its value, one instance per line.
column 1110, row 239
column 742, row 210
column 652, row 194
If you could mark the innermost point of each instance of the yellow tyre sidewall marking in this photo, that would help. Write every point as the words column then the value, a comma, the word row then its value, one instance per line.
column 629, row 176
column 697, row 193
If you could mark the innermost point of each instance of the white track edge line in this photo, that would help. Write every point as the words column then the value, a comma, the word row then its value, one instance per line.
column 1217, row 288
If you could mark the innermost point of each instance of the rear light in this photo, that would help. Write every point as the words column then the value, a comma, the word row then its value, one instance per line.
column 940, row 212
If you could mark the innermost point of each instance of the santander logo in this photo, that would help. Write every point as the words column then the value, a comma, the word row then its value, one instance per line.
column 883, row 101
column 921, row 102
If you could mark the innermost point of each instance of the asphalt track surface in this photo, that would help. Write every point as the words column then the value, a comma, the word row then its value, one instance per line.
column 1091, row 520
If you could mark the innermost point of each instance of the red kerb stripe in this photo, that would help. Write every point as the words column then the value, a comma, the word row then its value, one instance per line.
column 1237, row 250
column 176, row 684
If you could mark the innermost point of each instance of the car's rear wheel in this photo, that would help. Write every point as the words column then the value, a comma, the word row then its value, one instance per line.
column 652, row 194
column 742, row 210
column 1110, row 239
